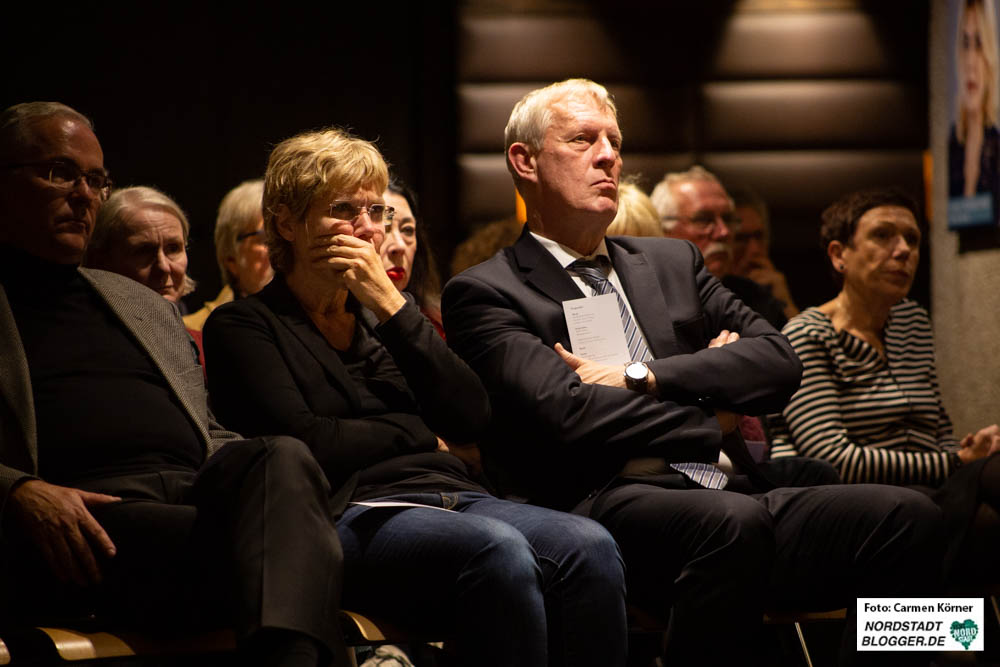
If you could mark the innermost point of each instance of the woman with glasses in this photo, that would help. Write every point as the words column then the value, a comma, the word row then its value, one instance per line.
column 332, row 353
column 240, row 249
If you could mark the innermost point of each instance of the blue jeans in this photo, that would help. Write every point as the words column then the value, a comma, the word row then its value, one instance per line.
column 519, row 585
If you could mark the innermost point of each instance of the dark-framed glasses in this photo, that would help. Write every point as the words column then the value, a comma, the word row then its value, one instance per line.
column 705, row 221
column 345, row 210
column 65, row 174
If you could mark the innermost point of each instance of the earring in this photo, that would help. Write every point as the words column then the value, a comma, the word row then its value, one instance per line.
column 840, row 266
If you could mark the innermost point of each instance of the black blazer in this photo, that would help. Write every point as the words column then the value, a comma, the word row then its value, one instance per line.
column 555, row 438
column 272, row 371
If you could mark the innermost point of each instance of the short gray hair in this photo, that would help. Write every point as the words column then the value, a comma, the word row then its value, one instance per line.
column 115, row 213
column 664, row 195
column 532, row 115
column 240, row 208
column 16, row 124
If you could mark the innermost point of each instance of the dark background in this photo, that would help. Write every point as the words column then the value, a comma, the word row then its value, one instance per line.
column 192, row 99
column 803, row 100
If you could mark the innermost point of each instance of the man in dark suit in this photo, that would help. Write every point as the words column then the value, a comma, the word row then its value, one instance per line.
column 635, row 449
column 120, row 494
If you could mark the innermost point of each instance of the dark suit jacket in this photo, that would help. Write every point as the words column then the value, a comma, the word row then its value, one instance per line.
column 156, row 326
column 555, row 438
column 271, row 371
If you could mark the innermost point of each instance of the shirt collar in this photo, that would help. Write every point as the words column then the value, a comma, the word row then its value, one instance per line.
column 566, row 255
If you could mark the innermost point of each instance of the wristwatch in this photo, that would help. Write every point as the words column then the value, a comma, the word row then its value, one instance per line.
column 636, row 374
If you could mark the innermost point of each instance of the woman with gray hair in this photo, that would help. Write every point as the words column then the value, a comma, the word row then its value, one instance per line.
column 142, row 233
column 240, row 249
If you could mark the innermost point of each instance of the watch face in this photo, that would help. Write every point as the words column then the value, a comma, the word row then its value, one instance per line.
column 636, row 371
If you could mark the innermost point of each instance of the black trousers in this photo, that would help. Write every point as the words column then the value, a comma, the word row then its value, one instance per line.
column 715, row 560
column 247, row 541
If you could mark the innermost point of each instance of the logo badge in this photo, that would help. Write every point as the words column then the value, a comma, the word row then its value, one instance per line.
column 964, row 632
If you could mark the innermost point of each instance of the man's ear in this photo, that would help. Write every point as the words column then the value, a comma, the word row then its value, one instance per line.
column 283, row 221
column 523, row 162
column 231, row 265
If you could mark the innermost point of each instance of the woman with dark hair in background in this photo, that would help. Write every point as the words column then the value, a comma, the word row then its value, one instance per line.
column 406, row 253
column 869, row 401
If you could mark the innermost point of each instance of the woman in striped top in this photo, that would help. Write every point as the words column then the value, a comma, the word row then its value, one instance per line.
column 869, row 401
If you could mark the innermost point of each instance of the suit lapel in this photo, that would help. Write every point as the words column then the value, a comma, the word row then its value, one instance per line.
column 145, row 325
column 15, row 379
column 541, row 270
column 646, row 296
column 289, row 312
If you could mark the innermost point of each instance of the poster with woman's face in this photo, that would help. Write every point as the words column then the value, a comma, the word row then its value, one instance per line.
column 974, row 137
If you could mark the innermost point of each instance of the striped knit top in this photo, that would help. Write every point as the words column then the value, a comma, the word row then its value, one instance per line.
column 875, row 419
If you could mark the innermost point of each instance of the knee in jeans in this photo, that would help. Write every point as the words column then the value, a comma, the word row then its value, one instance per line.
column 505, row 554
column 593, row 541
column 589, row 550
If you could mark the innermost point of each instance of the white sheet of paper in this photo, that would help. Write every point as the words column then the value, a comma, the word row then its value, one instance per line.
column 595, row 329
column 398, row 503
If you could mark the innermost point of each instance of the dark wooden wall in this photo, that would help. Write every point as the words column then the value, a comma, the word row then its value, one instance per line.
column 803, row 101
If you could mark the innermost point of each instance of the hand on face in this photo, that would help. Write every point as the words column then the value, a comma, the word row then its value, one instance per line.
column 357, row 265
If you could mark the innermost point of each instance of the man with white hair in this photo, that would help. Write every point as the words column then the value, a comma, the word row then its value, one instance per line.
column 695, row 207
column 633, row 447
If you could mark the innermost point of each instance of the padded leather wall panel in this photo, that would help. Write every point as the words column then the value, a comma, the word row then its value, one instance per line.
column 537, row 48
column 801, row 104
column 651, row 119
column 813, row 179
column 485, row 189
column 812, row 114
column 800, row 45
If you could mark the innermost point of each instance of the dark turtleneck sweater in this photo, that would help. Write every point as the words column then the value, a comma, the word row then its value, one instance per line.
column 101, row 405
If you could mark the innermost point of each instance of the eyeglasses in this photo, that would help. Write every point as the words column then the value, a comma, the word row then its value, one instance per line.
column 64, row 175
column 345, row 210
column 704, row 221
column 246, row 235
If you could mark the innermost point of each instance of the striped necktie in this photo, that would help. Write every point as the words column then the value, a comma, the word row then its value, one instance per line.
column 595, row 273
